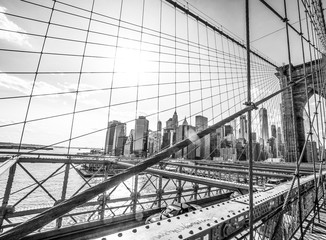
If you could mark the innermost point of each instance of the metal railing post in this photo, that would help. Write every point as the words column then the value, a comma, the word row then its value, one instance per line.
column 105, row 169
column 251, row 210
column 5, row 200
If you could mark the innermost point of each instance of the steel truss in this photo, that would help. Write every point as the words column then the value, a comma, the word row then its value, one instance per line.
column 230, row 219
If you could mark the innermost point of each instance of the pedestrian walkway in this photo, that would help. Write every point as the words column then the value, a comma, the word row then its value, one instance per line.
column 316, row 231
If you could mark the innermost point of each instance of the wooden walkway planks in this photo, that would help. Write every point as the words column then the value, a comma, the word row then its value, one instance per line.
column 316, row 231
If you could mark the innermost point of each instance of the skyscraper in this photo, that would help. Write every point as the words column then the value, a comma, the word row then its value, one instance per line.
column 279, row 135
column 254, row 136
column 235, row 127
column 228, row 130
column 110, row 137
column 141, row 137
column 279, row 142
column 243, row 127
column 203, row 145
column 273, row 130
column 185, row 131
column 159, row 126
column 129, row 145
column 282, row 121
column 158, row 136
column 175, row 121
column 263, row 125
column 169, row 133
column 119, row 139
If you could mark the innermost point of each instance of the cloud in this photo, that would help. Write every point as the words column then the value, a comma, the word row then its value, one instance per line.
column 6, row 121
column 24, row 86
column 14, row 83
column 12, row 37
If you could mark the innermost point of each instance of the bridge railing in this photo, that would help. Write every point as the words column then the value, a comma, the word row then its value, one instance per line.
column 30, row 191
column 230, row 219
column 65, row 205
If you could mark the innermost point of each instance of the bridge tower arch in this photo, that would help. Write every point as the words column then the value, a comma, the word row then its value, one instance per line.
column 294, row 100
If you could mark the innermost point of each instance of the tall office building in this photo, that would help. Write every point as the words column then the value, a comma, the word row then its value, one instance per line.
column 279, row 141
column 219, row 136
column 167, row 138
column 141, row 137
column 263, row 125
column 203, row 145
column 158, row 136
column 256, row 152
column 273, row 130
column 254, row 137
column 243, row 127
column 153, row 145
column 119, row 139
column 282, row 120
column 129, row 145
column 110, row 137
column 235, row 128
column 169, row 124
column 175, row 121
column 220, row 132
column 159, row 126
column 155, row 139
column 228, row 130
column 169, row 133
column 216, row 138
column 185, row 131
column 279, row 135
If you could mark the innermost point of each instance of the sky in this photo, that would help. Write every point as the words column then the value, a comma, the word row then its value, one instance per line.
column 159, row 64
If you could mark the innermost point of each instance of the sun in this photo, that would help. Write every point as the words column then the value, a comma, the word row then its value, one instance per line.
column 130, row 61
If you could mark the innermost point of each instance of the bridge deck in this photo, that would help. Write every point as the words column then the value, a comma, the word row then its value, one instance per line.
column 318, row 230
column 199, row 223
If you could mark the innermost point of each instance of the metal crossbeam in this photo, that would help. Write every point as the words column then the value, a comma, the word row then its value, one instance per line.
column 221, row 220
column 196, row 179
column 7, row 164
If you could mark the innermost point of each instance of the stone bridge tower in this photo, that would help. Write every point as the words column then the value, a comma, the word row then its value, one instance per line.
column 294, row 100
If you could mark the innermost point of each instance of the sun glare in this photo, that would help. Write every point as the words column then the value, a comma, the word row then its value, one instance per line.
column 130, row 61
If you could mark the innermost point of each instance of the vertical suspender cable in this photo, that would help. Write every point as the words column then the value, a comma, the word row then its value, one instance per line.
column 114, row 71
column 188, row 58
column 316, row 112
column 35, row 77
column 175, row 62
column 251, row 212
column 307, row 96
column 159, row 138
column 294, row 122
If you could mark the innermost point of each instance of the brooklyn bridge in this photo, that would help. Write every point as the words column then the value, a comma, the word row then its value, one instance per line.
column 162, row 119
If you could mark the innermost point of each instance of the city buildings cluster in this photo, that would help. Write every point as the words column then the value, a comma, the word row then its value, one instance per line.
column 228, row 142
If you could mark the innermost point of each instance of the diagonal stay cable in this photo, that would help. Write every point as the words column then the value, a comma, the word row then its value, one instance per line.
column 105, row 106
column 69, row 204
